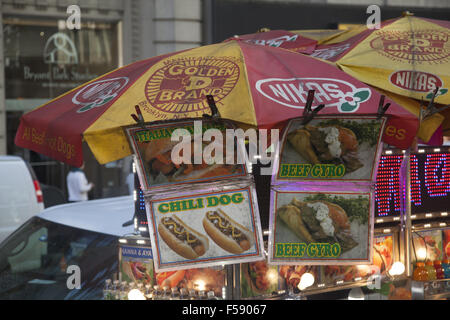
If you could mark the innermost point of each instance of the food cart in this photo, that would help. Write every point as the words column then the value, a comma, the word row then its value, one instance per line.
column 380, row 277
column 181, row 207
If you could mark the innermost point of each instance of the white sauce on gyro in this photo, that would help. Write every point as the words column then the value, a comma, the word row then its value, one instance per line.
column 323, row 215
column 332, row 139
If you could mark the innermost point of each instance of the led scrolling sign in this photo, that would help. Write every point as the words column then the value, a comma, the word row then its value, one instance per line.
column 430, row 183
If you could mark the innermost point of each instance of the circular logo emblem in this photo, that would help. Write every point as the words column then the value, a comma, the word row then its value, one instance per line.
column 426, row 46
column 60, row 49
column 182, row 84
column 98, row 93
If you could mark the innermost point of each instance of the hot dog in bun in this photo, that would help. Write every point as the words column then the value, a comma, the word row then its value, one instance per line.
column 227, row 233
column 158, row 159
column 182, row 239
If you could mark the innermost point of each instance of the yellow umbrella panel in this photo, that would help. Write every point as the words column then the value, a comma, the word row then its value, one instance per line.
column 409, row 56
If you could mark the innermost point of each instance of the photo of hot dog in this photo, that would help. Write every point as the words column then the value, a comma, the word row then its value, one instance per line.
column 157, row 156
column 227, row 233
column 182, row 239
column 170, row 279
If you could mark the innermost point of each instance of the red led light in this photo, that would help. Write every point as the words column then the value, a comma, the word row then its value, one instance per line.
column 415, row 182
column 387, row 185
column 430, row 183
column 437, row 174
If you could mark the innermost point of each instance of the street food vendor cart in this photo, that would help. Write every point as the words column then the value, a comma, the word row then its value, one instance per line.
column 201, row 234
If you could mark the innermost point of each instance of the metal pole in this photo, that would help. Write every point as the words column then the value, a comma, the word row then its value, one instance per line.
column 3, row 137
column 407, row 217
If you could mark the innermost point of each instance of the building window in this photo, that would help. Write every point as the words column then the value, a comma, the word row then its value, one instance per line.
column 43, row 59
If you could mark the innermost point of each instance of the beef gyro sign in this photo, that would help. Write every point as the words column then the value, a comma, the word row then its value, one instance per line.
column 203, row 229
column 345, row 149
column 321, row 227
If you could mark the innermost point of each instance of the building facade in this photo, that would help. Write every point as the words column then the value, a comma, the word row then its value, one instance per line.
column 48, row 47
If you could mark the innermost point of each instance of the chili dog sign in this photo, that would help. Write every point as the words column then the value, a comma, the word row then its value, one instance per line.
column 199, row 229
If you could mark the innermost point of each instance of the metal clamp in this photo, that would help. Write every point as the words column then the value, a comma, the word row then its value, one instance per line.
column 139, row 118
column 431, row 108
column 308, row 113
column 215, row 114
column 382, row 108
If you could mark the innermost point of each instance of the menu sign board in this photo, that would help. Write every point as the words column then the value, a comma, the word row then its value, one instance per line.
column 136, row 264
column 431, row 244
column 258, row 279
column 321, row 227
column 208, row 279
column 205, row 228
column 326, row 148
column 175, row 153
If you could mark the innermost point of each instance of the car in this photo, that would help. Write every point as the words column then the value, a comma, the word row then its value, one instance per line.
column 35, row 259
column 20, row 194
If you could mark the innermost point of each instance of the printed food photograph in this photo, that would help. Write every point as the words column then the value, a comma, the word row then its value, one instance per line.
column 161, row 168
column 325, row 218
column 291, row 274
column 206, row 279
column 383, row 252
column 332, row 274
column 382, row 258
column 136, row 271
column 258, row 279
column 428, row 245
column 200, row 229
column 351, row 143
column 446, row 245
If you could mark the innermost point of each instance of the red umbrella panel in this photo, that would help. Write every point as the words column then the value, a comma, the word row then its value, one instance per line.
column 280, row 39
column 257, row 86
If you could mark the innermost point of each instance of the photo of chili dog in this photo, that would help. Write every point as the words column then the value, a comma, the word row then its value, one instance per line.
column 182, row 239
column 227, row 233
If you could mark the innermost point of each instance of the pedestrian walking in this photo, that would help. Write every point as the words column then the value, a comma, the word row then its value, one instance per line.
column 78, row 185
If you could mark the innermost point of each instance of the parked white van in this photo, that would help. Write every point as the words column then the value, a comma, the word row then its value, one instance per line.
column 20, row 194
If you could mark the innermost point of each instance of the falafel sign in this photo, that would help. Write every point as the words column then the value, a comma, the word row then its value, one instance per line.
column 205, row 228
column 343, row 148
column 179, row 153
column 321, row 227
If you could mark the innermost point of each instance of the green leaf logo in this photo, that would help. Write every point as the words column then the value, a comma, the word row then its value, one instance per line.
column 363, row 95
column 347, row 107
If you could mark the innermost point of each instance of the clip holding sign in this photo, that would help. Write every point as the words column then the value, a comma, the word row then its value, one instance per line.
column 139, row 118
column 431, row 108
column 382, row 108
column 308, row 113
column 212, row 106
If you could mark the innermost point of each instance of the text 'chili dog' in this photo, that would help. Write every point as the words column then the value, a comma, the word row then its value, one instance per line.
column 227, row 233
column 182, row 239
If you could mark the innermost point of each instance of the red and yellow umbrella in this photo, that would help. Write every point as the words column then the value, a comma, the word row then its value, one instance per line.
column 252, row 85
column 289, row 40
column 322, row 35
column 409, row 56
